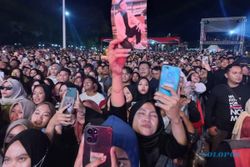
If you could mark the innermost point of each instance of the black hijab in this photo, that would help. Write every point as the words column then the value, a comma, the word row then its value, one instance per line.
column 147, row 141
column 138, row 96
column 36, row 144
column 149, row 146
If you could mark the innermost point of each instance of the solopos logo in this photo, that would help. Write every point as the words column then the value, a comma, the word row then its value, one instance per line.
column 219, row 154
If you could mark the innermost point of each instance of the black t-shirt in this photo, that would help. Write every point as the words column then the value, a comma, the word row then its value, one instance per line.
column 154, row 84
column 223, row 108
column 219, row 77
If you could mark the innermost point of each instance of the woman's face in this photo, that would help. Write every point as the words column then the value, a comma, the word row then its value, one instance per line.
column 135, row 77
column 16, row 155
column 62, row 91
column 38, row 95
column 6, row 89
column 195, row 78
column 122, row 157
column 33, row 73
column 15, row 131
column 143, row 86
column 128, row 95
column 78, row 82
column 146, row 120
column 16, row 112
column 41, row 116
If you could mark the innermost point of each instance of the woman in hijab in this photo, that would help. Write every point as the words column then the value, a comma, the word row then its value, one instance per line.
column 145, row 118
column 155, row 145
column 143, row 90
column 237, row 131
column 29, row 149
column 11, row 90
column 15, row 128
column 22, row 109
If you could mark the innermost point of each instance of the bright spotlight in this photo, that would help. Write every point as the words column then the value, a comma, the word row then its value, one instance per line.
column 231, row 32
column 67, row 13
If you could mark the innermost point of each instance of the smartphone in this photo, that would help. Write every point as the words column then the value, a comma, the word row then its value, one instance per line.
column 129, row 23
column 205, row 59
column 97, row 142
column 170, row 76
column 69, row 98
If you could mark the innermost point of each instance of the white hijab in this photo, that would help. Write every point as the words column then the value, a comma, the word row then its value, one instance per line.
column 18, row 92
column 238, row 125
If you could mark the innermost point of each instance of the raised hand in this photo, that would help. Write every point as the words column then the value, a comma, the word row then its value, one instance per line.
column 169, row 104
column 116, row 57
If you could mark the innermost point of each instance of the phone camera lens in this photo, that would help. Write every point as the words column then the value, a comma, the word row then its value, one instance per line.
column 89, row 139
column 90, row 131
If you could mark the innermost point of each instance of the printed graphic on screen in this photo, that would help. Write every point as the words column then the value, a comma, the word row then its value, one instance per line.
column 129, row 18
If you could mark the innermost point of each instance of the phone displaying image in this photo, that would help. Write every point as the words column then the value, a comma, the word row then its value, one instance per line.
column 129, row 23
column 97, row 142
column 205, row 59
column 69, row 98
column 170, row 76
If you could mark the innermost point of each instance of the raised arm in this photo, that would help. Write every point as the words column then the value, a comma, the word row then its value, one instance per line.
column 117, row 58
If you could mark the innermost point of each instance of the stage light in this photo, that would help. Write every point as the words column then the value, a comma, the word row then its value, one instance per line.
column 231, row 32
column 67, row 13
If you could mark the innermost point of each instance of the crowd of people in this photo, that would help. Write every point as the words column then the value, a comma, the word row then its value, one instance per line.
column 119, row 89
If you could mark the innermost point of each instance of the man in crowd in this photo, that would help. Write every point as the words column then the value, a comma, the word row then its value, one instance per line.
column 106, row 79
column 64, row 75
column 225, row 104
column 156, row 72
column 145, row 71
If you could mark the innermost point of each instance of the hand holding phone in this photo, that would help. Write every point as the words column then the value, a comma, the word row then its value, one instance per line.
column 170, row 76
column 97, row 144
column 205, row 60
column 69, row 99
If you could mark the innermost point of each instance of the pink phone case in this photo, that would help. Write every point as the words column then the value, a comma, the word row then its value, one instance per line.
column 97, row 141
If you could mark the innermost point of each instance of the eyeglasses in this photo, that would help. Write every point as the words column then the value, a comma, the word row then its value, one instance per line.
column 7, row 87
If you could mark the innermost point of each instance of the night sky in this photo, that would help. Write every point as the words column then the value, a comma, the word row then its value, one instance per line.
column 33, row 21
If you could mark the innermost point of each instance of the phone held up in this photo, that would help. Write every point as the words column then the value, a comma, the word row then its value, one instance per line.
column 170, row 76
column 97, row 142
column 69, row 99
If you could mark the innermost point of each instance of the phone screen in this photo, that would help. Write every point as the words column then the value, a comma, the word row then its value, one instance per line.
column 69, row 99
column 97, row 142
column 205, row 59
column 170, row 76
column 129, row 23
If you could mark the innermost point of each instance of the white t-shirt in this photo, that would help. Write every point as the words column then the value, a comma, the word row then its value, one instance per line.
column 97, row 98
